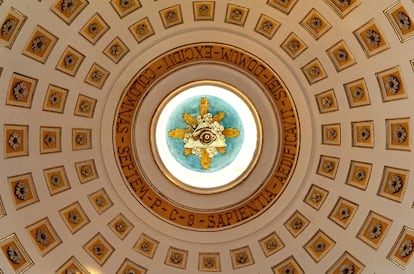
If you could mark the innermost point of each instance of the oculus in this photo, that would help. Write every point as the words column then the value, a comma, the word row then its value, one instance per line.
column 203, row 141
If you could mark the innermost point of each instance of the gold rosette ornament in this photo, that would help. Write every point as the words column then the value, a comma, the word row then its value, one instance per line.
column 204, row 135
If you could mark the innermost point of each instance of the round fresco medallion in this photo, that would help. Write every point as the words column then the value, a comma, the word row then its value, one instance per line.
column 206, row 136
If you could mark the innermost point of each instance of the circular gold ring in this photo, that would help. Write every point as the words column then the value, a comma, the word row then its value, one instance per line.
column 226, row 178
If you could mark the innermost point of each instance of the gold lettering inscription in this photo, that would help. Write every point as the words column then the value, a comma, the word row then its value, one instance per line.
column 289, row 141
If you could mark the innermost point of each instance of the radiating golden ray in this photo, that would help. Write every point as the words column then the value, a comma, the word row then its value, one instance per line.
column 203, row 107
column 231, row 132
column 205, row 160
column 178, row 133
column 192, row 122
column 218, row 117
column 189, row 119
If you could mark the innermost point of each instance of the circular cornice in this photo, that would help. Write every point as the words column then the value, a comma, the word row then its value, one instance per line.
column 154, row 200
column 254, row 78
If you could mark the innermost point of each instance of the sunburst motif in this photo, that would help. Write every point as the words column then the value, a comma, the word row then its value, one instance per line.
column 204, row 135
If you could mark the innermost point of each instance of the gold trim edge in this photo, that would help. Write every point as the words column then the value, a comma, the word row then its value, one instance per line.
column 243, row 175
